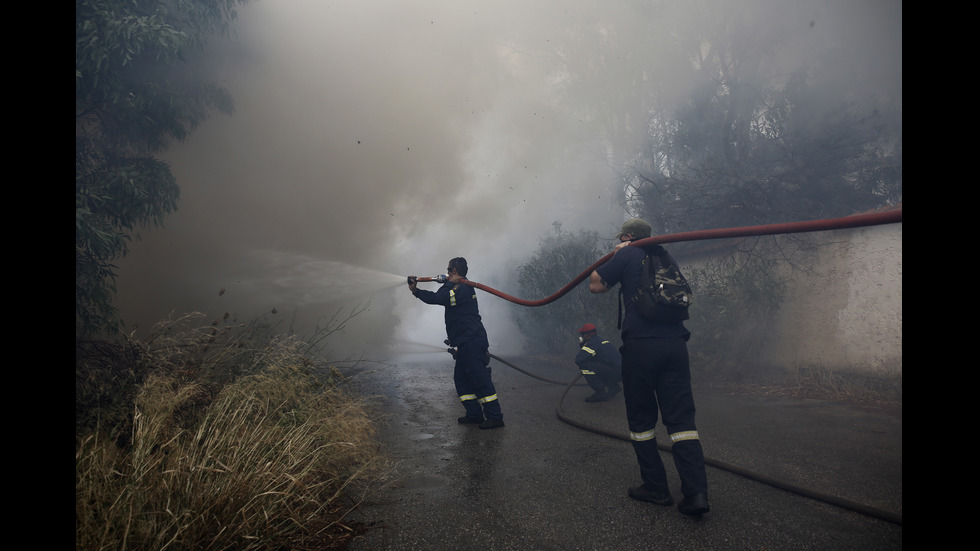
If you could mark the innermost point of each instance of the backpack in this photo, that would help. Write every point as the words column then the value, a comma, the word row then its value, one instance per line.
column 664, row 295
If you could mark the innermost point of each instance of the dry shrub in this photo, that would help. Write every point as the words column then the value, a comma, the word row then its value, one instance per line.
column 274, row 459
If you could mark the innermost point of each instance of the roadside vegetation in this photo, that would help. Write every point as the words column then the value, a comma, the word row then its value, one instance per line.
column 141, row 83
column 213, row 434
column 737, row 297
column 217, row 436
column 561, row 256
column 751, row 142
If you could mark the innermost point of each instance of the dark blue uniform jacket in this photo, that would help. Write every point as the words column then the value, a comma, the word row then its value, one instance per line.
column 597, row 354
column 626, row 268
column 463, row 322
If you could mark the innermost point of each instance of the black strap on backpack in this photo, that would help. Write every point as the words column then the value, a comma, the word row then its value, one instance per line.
column 653, row 249
column 656, row 250
column 619, row 316
column 657, row 257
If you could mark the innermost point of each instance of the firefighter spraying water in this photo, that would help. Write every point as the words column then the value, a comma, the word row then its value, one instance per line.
column 651, row 344
column 467, row 339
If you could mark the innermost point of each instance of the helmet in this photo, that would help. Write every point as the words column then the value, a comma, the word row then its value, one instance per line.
column 637, row 227
column 587, row 328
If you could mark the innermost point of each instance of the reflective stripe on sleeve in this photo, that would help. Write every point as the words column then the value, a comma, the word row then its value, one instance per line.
column 684, row 435
column 588, row 372
column 589, row 350
column 452, row 297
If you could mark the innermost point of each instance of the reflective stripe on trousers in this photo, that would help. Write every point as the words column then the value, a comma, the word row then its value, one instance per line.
column 473, row 382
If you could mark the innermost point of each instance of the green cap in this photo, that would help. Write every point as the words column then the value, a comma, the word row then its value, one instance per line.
column 637, row 227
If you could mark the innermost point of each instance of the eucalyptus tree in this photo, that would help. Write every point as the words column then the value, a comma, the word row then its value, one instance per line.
column 772, row 124
column 770, row 127
column 139, row 84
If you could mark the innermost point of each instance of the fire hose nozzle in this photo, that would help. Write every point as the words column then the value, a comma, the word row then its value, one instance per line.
column 437, row 279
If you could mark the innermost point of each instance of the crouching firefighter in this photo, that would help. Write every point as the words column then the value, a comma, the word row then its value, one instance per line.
column 468, row 344
column 600, row 363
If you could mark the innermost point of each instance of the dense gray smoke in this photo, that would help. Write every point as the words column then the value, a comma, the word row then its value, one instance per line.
column 374, row 139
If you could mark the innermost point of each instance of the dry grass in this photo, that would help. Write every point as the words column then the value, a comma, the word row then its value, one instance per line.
column 230, row 446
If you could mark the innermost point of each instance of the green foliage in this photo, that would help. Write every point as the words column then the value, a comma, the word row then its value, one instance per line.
column 139, row 83
column 754, row 143
column 736, row 301
column 109, row 202
column 792, row 168
column 560, row 258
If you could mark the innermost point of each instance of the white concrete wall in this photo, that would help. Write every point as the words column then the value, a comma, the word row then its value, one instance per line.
column 847, row 315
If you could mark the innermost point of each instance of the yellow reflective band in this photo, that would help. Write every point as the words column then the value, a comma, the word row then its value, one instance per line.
column 452, row 297
column 466, row 397
column 587, row 372
column 642, row 436
column 490, row 398
column 684, row 435
column 589, row 350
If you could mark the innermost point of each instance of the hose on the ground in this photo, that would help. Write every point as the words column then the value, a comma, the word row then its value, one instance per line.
column 759, row 477
column 885, row 217
column 752, row 475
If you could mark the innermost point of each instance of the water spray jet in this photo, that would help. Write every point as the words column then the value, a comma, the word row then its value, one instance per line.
column 301, row 279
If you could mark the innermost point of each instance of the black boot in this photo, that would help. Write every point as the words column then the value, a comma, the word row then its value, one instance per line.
column 694, row 505
column 492, row 424
column 599, row 397
column 641, row 493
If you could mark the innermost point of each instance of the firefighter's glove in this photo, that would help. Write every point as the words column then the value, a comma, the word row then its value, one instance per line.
column 452, row 352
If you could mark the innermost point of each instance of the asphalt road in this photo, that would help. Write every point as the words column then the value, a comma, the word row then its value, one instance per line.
column 783, row 473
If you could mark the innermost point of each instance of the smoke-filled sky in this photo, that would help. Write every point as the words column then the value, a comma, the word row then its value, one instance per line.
column 374, row 139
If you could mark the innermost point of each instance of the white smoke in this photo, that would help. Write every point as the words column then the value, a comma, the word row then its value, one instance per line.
column 385, row 137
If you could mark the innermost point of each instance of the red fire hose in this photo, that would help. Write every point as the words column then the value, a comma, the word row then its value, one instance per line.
column 861, row 220
column 890, row 216
column 883, row 217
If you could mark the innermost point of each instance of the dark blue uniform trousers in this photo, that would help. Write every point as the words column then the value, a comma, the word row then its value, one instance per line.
column 657, row 375
column 473, row 383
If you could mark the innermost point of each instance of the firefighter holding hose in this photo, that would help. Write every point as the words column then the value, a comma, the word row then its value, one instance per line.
column 656, row 379
column 466, row 334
